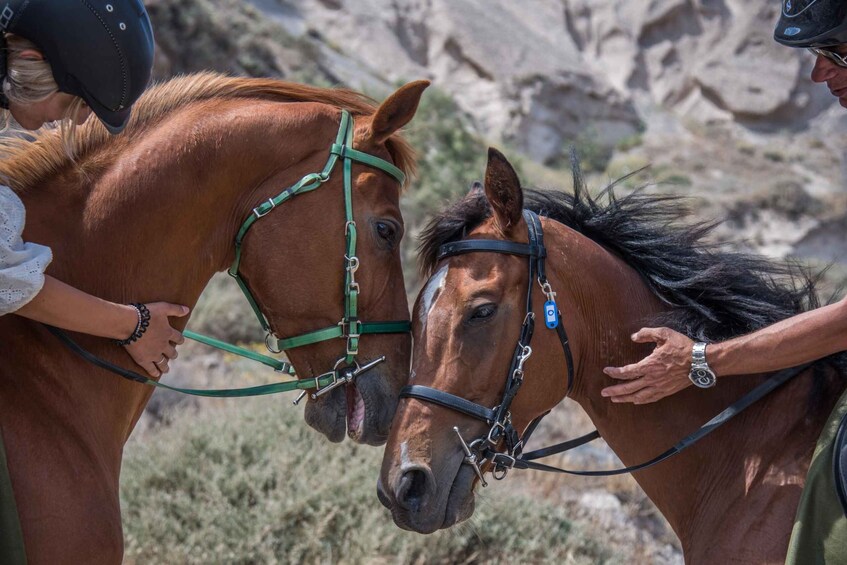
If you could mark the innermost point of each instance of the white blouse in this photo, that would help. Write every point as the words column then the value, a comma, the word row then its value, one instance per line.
column 22, row 264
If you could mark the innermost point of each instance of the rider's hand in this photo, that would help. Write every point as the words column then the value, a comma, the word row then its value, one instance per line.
column 157, row 346
column 662, row 373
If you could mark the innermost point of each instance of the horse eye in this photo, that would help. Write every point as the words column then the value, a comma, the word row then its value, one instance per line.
column 482, row 313
column 386, row 231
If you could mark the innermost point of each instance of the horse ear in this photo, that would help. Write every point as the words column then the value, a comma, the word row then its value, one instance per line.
column 503, row 190
column 397, row 110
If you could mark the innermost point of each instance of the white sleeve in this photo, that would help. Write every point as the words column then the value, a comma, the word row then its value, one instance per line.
column 22, row 264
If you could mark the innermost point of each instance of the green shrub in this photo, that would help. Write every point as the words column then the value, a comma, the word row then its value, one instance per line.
column 251, row 483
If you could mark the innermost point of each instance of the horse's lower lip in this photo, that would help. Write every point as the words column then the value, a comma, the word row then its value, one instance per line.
column 355, row 411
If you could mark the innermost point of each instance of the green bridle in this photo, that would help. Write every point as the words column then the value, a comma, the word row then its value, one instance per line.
column 349, row 327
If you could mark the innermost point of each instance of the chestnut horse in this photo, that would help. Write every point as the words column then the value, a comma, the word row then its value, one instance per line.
column 731, row 497
column 151, row 215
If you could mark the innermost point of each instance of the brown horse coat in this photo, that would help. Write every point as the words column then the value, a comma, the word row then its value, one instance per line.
column 151, row 215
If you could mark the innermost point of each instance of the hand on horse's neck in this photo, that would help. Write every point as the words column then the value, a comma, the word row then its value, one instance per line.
column 603, row 301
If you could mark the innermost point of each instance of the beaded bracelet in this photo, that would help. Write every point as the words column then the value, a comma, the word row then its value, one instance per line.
column 141, row 327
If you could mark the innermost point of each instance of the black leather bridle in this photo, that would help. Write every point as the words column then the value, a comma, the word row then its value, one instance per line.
column 499, row 417
column 485, row 449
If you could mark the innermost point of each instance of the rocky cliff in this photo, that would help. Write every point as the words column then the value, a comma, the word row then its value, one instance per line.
column 541, row 73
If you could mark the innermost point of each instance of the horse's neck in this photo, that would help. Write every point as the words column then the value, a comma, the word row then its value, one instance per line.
column 155, row 226
column 754, row 463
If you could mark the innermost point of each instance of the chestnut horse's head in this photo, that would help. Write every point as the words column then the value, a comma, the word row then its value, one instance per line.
column 337, row 302
column 295, row 189
column 466, row 323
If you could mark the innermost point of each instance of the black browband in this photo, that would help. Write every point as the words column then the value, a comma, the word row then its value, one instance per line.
column 493, row 245
column 499, row 418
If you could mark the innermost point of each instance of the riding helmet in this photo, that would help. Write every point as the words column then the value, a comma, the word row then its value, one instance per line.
column 812, row 23
column 101, row 51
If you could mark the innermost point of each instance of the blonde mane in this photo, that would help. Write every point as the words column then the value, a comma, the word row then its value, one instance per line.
column 25, row 163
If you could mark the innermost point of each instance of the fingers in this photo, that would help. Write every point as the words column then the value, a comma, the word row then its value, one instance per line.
column 176, row 338
column 170, row 352
column 173, row 310
column 151, row 369
column 635, row 370
column 617, row 391
column 162, row 364
column 627, row 372
column 646, row 395
column 651, row 335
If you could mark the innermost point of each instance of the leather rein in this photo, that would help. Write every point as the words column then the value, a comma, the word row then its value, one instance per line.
column 350, row 327
column 486, row 449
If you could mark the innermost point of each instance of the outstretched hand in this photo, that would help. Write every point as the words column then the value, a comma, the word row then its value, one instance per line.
column 660, row 374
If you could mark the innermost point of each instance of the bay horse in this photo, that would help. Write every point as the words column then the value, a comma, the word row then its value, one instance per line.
column 614, row 267
column 152, row 215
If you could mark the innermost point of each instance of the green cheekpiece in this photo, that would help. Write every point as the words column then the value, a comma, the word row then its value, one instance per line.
column 820, row 527
column 11, row 538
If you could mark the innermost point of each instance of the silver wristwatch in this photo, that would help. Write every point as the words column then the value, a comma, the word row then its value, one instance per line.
column 701, row 374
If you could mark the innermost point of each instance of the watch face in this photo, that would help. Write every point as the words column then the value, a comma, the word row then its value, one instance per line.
column 702, row 377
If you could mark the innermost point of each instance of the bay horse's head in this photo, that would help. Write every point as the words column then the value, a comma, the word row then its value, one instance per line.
column 466, row 322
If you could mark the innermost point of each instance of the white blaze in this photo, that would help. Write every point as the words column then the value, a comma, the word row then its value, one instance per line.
column 430, row 293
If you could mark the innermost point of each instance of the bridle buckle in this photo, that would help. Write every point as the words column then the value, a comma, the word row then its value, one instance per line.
column 497, row 429
column 259, row 214
column 352, row 331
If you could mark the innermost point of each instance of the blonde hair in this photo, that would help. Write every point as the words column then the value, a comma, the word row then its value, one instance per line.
column 30, row 80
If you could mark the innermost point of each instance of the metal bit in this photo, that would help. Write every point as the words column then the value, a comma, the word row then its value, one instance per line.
column 470, row 457
column 299, row 398
column 346, row 376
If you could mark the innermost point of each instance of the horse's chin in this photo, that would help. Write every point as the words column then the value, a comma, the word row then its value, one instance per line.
column 328, row 414
column 373, row 404
column 460, row 501
column 360, row 409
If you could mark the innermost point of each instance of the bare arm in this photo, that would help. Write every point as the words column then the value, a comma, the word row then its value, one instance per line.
column 66, row 307
column 800, row 339
column 63, row 306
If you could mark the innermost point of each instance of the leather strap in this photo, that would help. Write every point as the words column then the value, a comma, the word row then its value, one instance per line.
column 261, row 390
column 759, row 392
column 491, row 245
column 448, row 400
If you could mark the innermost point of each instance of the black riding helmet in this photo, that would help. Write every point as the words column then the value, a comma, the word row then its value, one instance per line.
column 812, row 23
column 99, row 50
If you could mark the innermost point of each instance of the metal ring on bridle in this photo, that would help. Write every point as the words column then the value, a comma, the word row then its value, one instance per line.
column 268, row 337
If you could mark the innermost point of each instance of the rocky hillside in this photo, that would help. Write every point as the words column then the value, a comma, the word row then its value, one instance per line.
column 539, row 74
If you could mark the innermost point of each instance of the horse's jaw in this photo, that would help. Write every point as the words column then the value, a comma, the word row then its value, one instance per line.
column 354, row 409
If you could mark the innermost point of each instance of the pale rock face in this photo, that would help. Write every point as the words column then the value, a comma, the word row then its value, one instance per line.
column 541, row 73
column 511, row 65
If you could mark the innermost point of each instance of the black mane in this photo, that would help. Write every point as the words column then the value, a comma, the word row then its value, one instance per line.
column 713, row 294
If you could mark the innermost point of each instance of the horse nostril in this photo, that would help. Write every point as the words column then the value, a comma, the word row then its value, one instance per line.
column 412, row 488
